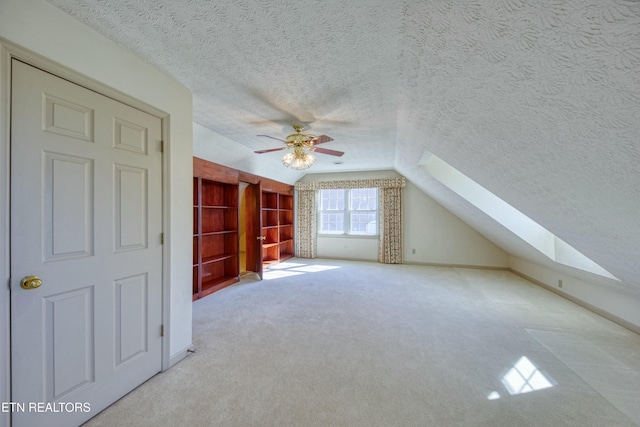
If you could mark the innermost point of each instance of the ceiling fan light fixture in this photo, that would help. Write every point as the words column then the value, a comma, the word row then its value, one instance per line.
column 302, row 147
column 298, row 160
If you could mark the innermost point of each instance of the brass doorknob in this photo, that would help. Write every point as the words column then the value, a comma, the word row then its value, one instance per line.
column 30, row 282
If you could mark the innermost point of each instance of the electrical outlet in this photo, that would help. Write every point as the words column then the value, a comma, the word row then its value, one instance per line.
column 560, row 283
column 413, row 251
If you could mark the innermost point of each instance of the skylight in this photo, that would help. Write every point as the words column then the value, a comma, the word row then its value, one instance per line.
column 518, row 223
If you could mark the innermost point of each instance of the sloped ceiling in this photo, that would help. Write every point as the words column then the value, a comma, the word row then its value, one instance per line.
column 539, row 102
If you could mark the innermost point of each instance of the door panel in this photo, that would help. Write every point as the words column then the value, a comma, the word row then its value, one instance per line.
column 131, row 305
column 67, row 223
column 130, row 208
column 69, row 351
column 67, row 118
column 252, row 196
column 86, row 190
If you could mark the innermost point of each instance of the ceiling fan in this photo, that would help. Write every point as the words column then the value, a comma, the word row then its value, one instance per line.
column 302, row 146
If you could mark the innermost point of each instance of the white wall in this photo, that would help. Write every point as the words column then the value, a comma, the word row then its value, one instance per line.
column 39, row 27
column 602, row 296
column 438, row 236
column 348, row 247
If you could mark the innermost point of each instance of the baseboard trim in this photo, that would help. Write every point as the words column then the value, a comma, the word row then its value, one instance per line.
column 343, row 259
column 426, row 264
column 477, row 267
column 181, row 355
column 609, row 316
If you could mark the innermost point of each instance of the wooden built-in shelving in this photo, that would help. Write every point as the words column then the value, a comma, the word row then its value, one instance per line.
column 266, row 225
column 277, row 227
column 215, row 236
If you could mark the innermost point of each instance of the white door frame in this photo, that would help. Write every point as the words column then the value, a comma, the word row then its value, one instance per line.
column 8, row 51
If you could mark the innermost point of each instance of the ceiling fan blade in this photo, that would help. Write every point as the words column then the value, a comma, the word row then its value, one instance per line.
column 270, row 150
column 329, row 152
column 320, row 139
column 273, row 137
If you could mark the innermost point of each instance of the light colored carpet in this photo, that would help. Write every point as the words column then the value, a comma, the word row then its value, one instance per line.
column 337, row 343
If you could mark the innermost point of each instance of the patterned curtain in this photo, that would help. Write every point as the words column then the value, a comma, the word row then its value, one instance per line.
column 390, row 249
column 354, row 183
column 306, row 224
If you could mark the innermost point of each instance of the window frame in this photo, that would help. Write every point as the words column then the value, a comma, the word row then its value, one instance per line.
column 346, row 214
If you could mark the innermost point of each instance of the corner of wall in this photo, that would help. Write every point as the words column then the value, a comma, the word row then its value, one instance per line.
column 434, row 235
column 179, row 356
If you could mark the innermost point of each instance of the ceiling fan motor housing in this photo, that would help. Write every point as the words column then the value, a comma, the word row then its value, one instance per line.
column 298, row 139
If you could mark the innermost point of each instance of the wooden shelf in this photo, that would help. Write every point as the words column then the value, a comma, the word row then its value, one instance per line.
column 286, row 249
column 277, row 226
column 215, row 285
column 196, row 279
column 218, row 194
column 285, row 217
column 219, row 257
column 216, row 240
column 218, row 280
column 285, row 202
column 285, row 232
column 217, row 233
column 269, row 200
column 269, row 218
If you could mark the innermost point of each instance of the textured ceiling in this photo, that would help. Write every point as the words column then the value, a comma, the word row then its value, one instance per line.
column 539, row 102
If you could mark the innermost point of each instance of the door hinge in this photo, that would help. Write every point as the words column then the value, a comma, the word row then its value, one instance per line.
column 162, row 238
column 162, row 145
column 161, row 330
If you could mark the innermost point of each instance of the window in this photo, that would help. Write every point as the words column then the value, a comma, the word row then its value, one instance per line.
column 349, row 212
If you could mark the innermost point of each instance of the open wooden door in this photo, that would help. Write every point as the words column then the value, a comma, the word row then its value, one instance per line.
column 253, row 215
